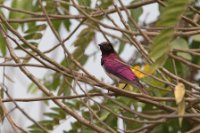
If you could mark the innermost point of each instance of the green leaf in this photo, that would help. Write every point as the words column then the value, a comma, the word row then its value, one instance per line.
column 2, row 113
column 160, row 47
column 55, row 81
column 85, row 2
column 2, row 45
column 32, row 88
column 196, row 38
column 19, row 4
column 111, row 121
column 35, row 28
column 51, row 6
column 104, row 115
column 65, row 8
column 86, row 115
column 168, row 18
column 60, row 111
column 64, row 88
column 56, row 121
column 182, row 69
column 136, row 12
column 172, row 13
column 26, row 46
column 51, row 115
column 54, row 118
column 67, row 24
column 46, row 123
column 121, row 47
column 82, row 58
column 105, row 3
column 33, row 36
column 84, row 38
column 37, row 131
column 172, row 123
column 195, row 45
column 57, row 24
column 181, row 43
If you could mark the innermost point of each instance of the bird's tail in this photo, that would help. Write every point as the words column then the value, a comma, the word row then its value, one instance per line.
column 141, row 87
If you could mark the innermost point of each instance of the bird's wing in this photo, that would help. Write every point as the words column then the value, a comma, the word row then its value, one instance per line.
column 119, row 69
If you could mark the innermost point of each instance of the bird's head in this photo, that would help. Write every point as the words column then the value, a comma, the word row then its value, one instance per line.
column 106, row 48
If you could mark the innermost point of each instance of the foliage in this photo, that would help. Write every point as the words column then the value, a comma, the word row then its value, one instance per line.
column 174, row 48
column 169, row 19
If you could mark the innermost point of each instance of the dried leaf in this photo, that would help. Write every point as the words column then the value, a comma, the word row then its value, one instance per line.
column 179, row 92
column 181, row 111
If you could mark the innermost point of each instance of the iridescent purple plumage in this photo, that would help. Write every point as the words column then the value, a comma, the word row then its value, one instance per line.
column 113, row 65
column 116, row 68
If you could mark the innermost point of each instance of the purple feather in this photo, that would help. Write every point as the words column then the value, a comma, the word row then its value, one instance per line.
column 116, row 68
column 113, row 65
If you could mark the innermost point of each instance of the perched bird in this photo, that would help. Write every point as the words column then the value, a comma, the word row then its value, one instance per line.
column 117, row 69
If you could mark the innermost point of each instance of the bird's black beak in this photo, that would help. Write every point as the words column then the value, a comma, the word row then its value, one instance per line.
column 99, row 45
